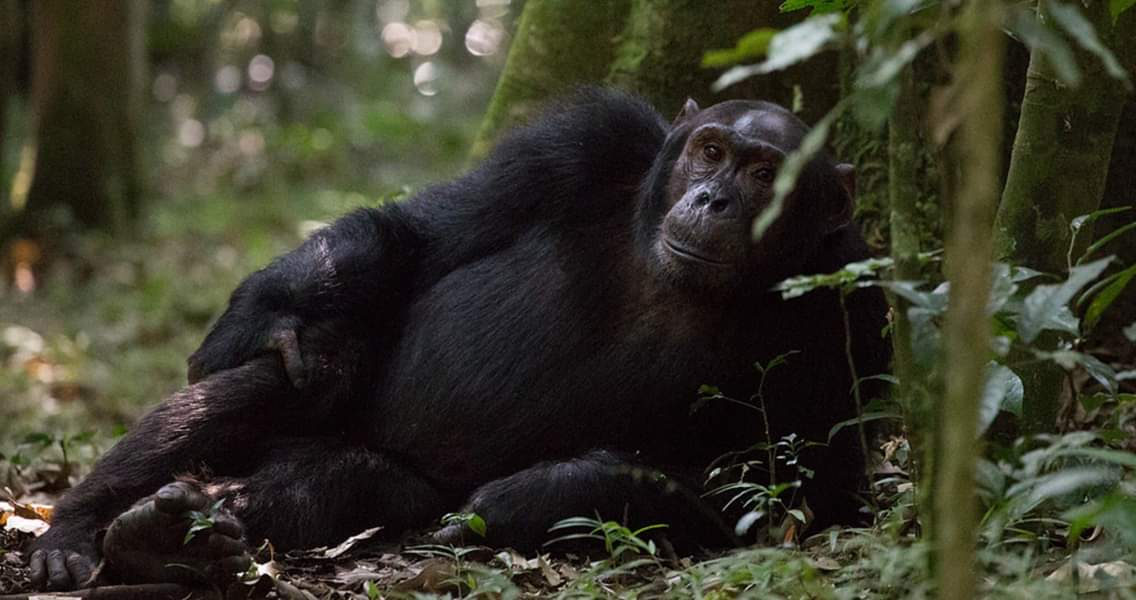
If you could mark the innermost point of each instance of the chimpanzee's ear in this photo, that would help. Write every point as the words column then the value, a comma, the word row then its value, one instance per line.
column 842, row 215
column 688, row 110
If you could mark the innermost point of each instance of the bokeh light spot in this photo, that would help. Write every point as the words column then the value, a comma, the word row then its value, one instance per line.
column 227, row 79
column 484, row 37
column 398, row 37
column 191, row 133
column 425, row 79
column 427, row 38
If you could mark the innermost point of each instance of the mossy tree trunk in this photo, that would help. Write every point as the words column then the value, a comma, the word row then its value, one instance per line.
column 87, row 62
column 903, row 149
column 11, row 28
column 660, row 54
column 967, row 327
column 558, row 45
column 1058, row 171
column 651, row 47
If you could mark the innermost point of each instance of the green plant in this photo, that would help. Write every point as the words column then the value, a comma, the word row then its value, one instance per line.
column 621, row 543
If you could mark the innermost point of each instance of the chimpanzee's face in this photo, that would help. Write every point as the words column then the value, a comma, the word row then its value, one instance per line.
column 721, row 181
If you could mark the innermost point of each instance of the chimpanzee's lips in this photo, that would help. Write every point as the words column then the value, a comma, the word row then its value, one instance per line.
column 686, row 253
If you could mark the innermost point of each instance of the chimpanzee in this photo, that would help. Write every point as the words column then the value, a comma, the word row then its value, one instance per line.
column 526, row 343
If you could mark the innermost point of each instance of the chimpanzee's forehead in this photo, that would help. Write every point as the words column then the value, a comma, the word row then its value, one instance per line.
column 764, row 121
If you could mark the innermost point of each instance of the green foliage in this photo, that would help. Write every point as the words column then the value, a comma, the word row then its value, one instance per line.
column 473, row 521
column 789, row 47
column 202, row 520
column 1049, row 484
column 817, row 6
column 1069, row 18
column 753, row 45
column 1117, row 7
column 621, row 543
column 1047, row 306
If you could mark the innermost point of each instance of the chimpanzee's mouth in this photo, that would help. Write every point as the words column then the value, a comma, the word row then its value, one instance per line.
column 687, row 254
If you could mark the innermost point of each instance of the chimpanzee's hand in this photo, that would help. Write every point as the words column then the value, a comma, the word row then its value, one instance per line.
column 234, row 341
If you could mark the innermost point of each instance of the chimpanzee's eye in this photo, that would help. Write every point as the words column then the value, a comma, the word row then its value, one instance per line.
column 712, row 152
column 765, row 174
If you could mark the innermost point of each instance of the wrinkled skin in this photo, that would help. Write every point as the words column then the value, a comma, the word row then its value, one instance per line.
column 526, row 342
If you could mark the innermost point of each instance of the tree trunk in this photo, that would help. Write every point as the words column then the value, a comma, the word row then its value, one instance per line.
column 559, row 44
column 87, row 63
column 651, row 47
column 1058, row 171
column 967, row 327
column 10, row 35
column 661, row 49
column 904, row 150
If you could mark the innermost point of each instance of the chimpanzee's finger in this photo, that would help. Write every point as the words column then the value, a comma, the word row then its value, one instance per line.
column 284, row 341
column 80, row 568
column 38, row 569
column 178, row 497
column 451, row 535
column 228, row 525
column 235, row 564
column 223, row 545
column 58, row 578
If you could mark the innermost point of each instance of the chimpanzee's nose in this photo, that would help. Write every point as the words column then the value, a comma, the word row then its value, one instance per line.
column 718, row 205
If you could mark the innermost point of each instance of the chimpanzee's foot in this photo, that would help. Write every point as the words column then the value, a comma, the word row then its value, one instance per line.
column 61, row 562
column 148, row 543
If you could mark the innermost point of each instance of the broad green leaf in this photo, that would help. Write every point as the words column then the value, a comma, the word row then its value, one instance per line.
column 1078, row 222
column 1003, row 391
column 884, row 64
column 1109, row 294
column 818, row 6
column 790, row 170
column 1071, row 359
column 477, row 525
column 1116, row 511
column 747, row 521
column 1130, row 332
column 1046, row 307
column 1070, row 19
column 1117, row 7
column 1069, row 480
column 1104, row 240
column 1024, row 25
column 789, row 47
column 752, row 46
column 39, row 438
column 864, row 418
column 1121, row 458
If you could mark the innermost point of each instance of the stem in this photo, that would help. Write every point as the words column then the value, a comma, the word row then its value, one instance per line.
column 855, row 389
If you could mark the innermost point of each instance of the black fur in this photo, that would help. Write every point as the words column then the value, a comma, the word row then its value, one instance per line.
column 501, row 342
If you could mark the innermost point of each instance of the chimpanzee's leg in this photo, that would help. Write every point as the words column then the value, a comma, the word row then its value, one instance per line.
column 305, row 492
column 519, row 509
column 216, row 424
column 317, row 491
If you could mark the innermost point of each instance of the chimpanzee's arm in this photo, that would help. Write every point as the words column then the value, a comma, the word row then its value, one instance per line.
column 352, row 271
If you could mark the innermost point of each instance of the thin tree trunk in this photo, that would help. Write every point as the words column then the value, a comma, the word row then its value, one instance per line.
column 86, row 101
column 1057, row 171
column 967, row 328
column 559, row 44
column 903, row 195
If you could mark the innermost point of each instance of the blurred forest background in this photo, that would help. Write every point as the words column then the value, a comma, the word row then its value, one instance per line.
column 182, row 144
column 152, row 154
